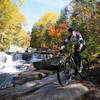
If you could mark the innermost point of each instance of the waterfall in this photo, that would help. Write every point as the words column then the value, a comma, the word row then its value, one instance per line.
column 8, row 63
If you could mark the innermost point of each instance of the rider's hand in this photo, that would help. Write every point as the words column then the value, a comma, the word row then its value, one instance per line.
column 62, row 47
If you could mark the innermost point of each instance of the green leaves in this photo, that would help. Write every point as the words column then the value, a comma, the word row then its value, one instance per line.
column 85, row 17
column 40, row 36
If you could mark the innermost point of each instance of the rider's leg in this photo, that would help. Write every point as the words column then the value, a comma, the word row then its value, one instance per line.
column 76, row 62
column 76, row 54
column 81, row 49
column 80, row 66
column 77, row 57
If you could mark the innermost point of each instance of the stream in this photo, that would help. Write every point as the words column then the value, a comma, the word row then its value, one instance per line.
column 8, row 63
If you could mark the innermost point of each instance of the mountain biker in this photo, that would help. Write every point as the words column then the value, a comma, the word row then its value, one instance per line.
column 76, row 38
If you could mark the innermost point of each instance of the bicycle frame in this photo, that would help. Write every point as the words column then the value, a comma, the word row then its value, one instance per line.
column 71, row 59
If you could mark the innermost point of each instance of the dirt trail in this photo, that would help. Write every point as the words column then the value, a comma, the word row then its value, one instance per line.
column 92, row 82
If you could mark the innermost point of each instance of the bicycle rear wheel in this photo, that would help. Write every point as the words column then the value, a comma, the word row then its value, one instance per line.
column 65, row 73
column 85, row 69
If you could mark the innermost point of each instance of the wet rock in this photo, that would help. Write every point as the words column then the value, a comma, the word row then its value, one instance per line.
column 3, row 59
column 27, row 67
column 47, row 72
column 27, row 56
column 16, row 56
column 27, row 76
column 5, row 80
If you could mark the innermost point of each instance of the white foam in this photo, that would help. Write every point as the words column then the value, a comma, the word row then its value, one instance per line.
column 13, row 60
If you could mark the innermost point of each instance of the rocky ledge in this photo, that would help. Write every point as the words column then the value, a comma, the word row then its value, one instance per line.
column 43, row 84
column 46, row 89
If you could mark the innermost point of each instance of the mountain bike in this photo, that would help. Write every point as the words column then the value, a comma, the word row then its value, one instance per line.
column 68, row 69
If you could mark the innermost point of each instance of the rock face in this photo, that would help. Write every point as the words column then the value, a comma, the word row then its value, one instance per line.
column 55, row 92
column 45, row 89
column 49, row 64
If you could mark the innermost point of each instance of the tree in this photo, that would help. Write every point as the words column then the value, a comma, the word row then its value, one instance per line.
column 49, row 17
column 85, row 16
column 11, row 22
column 40, row 36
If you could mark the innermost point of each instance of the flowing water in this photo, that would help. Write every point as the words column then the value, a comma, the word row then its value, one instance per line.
column 8, row 63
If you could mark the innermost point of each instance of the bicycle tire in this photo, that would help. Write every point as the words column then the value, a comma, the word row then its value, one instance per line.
column 85, row 70
column 62, row 76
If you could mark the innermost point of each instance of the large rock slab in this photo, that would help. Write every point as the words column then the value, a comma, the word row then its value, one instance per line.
column 48, row 64
column 55, row 92
column 46, row 89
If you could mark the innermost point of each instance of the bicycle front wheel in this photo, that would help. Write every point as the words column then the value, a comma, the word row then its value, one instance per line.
column 85, row 69
column 64, row 73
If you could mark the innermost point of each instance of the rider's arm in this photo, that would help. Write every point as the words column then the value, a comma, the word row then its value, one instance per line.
column 80, row 47
column 81, row 42
column 64, row 43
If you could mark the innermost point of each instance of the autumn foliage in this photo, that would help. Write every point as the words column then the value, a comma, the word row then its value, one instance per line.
column 11, row 22
column 61, row 28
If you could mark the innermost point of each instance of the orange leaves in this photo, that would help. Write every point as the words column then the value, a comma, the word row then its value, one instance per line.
column 53, row 31
column 57, row 31
column 62, row 25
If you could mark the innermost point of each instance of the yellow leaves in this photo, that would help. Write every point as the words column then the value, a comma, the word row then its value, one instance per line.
column 49, row 17
column 21, row 2
column 23, row 38
column 10, row 14
column 24, row 35
column 11, row 20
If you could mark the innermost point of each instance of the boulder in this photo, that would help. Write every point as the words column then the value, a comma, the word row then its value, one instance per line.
column 55, row 92
column 16, row 56
column 45, row 89
column 27, row 67
column 24, row 77
column 27, row 56
column 47, row 72
column 48, row 64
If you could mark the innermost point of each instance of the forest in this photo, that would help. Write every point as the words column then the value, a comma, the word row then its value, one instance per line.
column 40, row 71
column 51, row 28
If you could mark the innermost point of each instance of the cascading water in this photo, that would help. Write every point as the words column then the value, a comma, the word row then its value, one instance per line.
column 8, row 63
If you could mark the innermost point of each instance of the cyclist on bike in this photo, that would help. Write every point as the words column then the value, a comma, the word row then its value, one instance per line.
column 76, row 38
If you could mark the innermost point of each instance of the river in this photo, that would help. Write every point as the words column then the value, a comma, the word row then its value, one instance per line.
column 8, row 63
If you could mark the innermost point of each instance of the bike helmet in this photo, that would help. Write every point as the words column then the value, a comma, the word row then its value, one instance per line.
column 71, row 29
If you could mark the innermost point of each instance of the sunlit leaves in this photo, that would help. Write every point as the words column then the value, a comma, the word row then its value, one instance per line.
column 86, row 18
column 48, row 30
column 40, row 36
column 49, row 17
column 23, row 39
column 11, row 21
column 57, row 31
column 21, row 2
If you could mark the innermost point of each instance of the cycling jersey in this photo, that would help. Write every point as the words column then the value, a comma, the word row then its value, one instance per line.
column 77, row 40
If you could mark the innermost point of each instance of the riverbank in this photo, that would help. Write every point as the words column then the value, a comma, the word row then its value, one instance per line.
column 37, row 90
